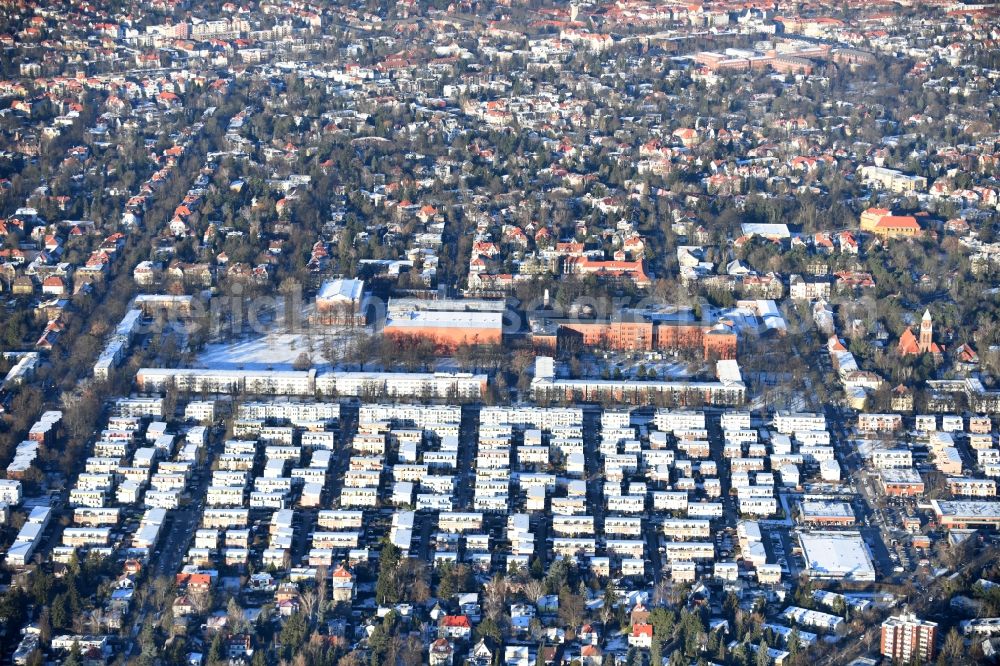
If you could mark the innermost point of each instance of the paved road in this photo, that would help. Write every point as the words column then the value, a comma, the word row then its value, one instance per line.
column 878, row 533
column 181, row 522
column 593, row 467
column 468, row 440
column 178, row 531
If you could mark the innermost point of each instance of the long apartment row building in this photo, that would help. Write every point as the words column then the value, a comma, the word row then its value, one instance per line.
column 438, row 385
column 728, row 390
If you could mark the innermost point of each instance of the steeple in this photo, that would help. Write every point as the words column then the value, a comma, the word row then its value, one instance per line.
column 926, row 332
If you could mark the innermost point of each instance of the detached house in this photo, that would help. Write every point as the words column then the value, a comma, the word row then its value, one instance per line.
column 440, row 653
column 481, row 654
column 641, row 636
column 182, row 606
column 239, row 647
column 22, row 286
column 902, row 399
column 54, row 286
column 145, row 273
column 456, row 626
column 591, row 655
column 178, row 227
column 343, row 585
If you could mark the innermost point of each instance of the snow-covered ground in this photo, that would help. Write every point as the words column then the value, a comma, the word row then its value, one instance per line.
column 275, row 351
column 447, row 364
column 665, row 369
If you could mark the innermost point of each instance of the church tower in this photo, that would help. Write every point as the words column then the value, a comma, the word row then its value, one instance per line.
column 926, row 332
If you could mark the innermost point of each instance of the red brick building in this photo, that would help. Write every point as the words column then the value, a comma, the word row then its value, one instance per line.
column 907, row 639
column 448, row 324
column 633, row 270
column 910, row 344
column 715, row 343
column 905, row 482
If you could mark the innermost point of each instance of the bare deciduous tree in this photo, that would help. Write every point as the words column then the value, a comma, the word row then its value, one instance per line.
column 307, row 602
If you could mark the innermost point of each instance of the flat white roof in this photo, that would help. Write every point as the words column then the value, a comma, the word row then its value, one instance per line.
column 444, row 319
column 224, row 373
column 399, row 305
column 20, row 551
column 837, row 555
column 643, row 384
column 728, row 372
column 826, row 509
column 341, row 288
column 900, row 475
column 763, row 229
column 163, row 298
column 981, row 510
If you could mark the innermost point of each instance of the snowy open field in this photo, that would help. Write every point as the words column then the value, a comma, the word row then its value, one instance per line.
column 275, row 351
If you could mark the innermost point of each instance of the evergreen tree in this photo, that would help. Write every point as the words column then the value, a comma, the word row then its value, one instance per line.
column 655, row 653
column 215, row 649
column 739, row 654
column 794, row 643
column 662, row 621
column 74, row 658
column 386, row 590
column 488, row 628
column 150, row 649
column 537, row 570
column 762, row 658
column 60, row 616
column 293, row 633
column 41, row 588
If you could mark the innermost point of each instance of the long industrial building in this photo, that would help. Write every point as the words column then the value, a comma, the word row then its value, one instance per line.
column 447, row 323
